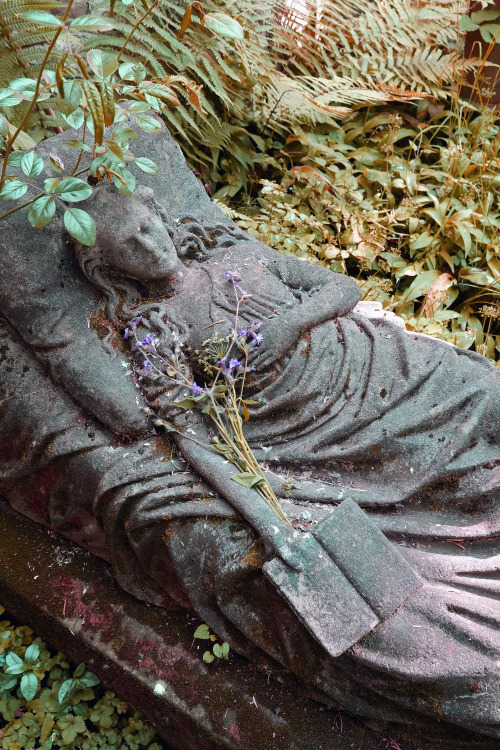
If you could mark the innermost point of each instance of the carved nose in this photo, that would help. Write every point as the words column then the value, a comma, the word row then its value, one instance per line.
column 144, row 193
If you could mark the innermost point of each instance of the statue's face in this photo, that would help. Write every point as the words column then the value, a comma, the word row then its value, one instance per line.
column 133, row 238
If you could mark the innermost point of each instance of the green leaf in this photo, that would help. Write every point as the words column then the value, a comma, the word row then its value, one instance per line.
column 29, row 686
column 122, row 134
column 225, row 649
column 103, row 64
column 202, row 631
column 224, row 25
column 27, row 87
column 80, row 145
column 41, row 211
column 10, row 98
column 31, row 164
column 31, row 654
column 146, row 165
column 247, row 479
column 15, row 664
column 15, row 159
column 73, row 190
column 41, row 17
column 12, row 190
column 148, row 124
column 75, row 119
column 217, row 650
column 139, row 107
column 92, row 23
column 56, row 163
column 7, row 683
column 71, row 99
column 79, row 671
column 50, row 185
column 185, row 403
column 129, row 178
column 66, row 690
column 80, row 225
column 208, row 657
column 132, row 72
column 88, row 680
column 467, row 25
column 4, row 126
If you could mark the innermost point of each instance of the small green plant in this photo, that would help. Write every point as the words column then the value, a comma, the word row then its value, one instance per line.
column 93, row 91
column 219, row 650
column 45, row 705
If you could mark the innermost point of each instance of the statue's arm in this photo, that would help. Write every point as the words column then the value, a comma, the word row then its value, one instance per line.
column 330, row 294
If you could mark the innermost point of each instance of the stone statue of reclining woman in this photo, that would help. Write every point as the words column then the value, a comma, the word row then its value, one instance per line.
column 349, row 409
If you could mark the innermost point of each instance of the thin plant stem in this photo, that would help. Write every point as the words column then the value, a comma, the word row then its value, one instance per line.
column 12, row 140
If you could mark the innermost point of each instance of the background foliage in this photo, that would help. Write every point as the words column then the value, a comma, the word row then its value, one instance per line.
column 336, row 131
column 44, row 704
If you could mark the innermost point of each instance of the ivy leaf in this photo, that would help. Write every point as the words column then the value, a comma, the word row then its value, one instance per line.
column 43, row 18
column 208, row 657
column 15, row 664
column 31, row 164
column 73, row 190
column 146, row 165
column 148, row 124
column 80, row 225
column 12, row 190
column 202, row 632
column 29, row 686
column 91, row 23
column 247, row 479
column 10, row 98
column 224, row 25
column 41, row 211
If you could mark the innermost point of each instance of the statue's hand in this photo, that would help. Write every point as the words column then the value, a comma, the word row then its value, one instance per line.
column 279, row 335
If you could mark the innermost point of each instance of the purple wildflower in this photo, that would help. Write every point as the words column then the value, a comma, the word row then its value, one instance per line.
column 233, row 364
column 127, row 333
column 233, row 276
column 146, row 366
column 195, row 172
column 135, row 323
column 196, row 389
column 243, row 332
column 258, row 338
column 222, row 363
column 208, row 189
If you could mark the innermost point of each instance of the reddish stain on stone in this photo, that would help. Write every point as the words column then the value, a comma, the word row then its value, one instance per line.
column 234, row 732
column 39, row 497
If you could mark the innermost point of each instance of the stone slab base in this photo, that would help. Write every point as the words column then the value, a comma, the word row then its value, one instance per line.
column 147, row 655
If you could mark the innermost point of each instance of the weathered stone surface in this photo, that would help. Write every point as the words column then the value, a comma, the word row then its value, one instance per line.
column 148, row 656
column 408, row 428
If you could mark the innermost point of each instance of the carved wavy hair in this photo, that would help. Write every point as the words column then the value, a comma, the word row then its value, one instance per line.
column 192, row 239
